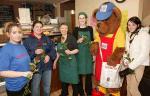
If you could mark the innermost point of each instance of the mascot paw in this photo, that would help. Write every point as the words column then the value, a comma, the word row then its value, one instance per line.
column 116, row 56
column 126, row 72
column 112, row 62
column 94, row 48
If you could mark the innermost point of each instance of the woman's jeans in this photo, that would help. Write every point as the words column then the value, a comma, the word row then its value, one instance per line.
column 45, row 76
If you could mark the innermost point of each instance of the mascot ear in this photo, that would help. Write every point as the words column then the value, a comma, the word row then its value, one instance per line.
column 117, row 13
column 94, row 13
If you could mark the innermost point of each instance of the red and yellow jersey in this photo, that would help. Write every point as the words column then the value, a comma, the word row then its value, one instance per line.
column 119, row 40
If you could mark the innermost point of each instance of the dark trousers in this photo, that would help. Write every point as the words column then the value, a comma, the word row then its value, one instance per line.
column 88, row 85
column 64, row 91
column 15, row 93
column 19, row 93
column 144, row 86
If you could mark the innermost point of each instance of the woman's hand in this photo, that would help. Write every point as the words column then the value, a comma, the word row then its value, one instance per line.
column 39, row 51
column 68, row 52
column 80, row 40
column 47, row 58
column 27, row 74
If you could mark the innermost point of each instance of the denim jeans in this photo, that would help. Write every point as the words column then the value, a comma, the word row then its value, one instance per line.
column 45, row 76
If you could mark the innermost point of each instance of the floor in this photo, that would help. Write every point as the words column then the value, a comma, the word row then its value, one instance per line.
column 57, row 93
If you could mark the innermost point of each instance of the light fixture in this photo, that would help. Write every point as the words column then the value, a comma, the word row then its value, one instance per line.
column 72, row 12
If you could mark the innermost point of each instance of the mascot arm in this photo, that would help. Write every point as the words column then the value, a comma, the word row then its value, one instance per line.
column 116, row 56
column 119, row 44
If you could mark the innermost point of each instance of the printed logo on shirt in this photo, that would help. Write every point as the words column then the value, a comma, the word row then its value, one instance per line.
column 21, row 56
column 104, row 45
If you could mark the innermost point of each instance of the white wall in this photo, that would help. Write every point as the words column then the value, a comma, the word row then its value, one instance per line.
column 134, row 7
column 86, row 6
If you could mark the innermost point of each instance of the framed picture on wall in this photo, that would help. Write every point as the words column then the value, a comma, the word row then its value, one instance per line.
column 6, row 14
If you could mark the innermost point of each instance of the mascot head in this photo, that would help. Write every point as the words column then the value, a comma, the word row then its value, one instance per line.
column 108, row 18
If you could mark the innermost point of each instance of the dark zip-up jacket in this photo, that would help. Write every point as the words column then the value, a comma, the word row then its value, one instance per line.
column 32, row 43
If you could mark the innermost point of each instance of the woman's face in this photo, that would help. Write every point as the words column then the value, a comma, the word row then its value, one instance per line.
column 63, row 29
column 132, row 26
column 15, row 34
column 37, row 29
column 82, row 20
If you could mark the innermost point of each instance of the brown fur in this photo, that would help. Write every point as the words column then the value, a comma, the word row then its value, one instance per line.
column 116, row 56
column 94, row 48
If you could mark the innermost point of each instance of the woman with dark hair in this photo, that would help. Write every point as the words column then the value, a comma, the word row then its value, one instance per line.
column 42, row 52
column 136, row 56
column 68, row 72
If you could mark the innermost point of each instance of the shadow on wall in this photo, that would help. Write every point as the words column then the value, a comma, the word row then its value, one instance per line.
column 146, row 20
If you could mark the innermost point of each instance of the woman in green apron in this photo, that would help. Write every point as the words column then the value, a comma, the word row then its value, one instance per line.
column 84, row 36
column 66, row 50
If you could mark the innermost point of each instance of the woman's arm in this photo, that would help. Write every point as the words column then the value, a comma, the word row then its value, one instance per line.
column 144, row 50
column 55, row 61
column 75, row 51
column 52, row 51
column 14, row 74
column 27, row 45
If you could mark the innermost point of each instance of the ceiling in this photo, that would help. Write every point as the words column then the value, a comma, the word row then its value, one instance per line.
column 41, row 1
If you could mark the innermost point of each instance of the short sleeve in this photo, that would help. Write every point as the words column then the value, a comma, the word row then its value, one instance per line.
column 4, row 60
column 75, row 32
column 91, row 32
column 72, row 42
column 120, row 38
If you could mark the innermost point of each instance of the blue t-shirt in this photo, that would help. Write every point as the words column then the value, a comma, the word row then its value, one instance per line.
column 14, row 57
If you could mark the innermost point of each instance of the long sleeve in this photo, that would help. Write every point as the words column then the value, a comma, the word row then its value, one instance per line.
column 144, row 49
column 31, row 53
column 4, row 59
column 52, row 52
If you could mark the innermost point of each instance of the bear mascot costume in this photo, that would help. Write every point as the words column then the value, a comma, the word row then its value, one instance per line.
column 109, row 41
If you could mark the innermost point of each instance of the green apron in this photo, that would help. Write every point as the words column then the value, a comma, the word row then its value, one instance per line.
column 68, row 72
column 84, row 57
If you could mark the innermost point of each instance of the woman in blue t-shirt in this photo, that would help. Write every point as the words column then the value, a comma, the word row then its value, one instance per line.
column 14, row 61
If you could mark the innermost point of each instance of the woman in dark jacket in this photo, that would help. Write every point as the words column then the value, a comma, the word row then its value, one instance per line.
column 42, row 48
